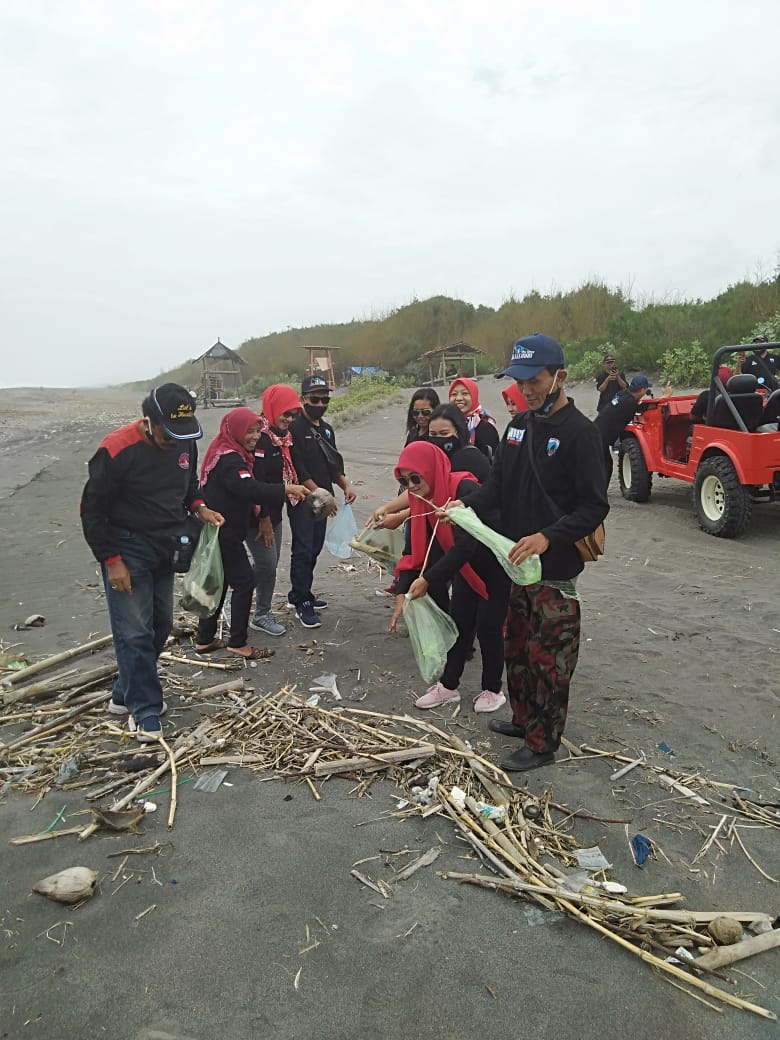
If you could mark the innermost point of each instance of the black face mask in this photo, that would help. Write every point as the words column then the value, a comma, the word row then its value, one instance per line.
column 447, row 444
column 315, row 411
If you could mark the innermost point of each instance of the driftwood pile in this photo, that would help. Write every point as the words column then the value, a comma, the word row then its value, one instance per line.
column 528, row 853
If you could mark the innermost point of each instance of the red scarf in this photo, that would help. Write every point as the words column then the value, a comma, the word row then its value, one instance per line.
column 230, row 438
column 477, row 414
column 277, row 400
column 434, row 467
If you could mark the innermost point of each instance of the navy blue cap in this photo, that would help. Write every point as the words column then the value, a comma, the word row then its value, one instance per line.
column 533, row 353
column 640, row 382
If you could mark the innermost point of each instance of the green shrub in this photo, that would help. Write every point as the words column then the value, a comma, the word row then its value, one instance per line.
column 769, row 328
column 590, row 364
column 686, row 365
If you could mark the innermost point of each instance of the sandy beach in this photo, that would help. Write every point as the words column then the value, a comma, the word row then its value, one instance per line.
column 681, row 637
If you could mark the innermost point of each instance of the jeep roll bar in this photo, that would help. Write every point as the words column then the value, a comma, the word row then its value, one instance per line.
column 717, row 387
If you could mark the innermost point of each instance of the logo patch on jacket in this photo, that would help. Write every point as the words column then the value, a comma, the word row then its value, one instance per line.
column 552, row 445
column 244, row 474
column 259, row 454
column 514, row 435
column 184, row 460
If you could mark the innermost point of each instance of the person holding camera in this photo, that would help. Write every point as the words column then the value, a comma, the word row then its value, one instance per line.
column 609, row 382
column 142, row 487
column 229, row 485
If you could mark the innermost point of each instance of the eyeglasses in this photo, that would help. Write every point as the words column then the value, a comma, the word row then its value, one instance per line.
column 422, row 411
column 413, row 480
column 319, row 400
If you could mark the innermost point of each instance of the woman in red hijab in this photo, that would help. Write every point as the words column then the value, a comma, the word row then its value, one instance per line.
column 464, row 394
column 273, row 465
column 515, row 400
column 227, row 478
column 480, row 588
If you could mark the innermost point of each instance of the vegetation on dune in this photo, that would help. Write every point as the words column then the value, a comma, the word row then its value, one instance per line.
column 645, row 335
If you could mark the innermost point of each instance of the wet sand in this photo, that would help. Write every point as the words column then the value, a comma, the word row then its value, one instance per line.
column 681, row 636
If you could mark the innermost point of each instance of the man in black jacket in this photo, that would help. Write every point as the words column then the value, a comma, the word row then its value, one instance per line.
column 143, row 479
column 549, row 484
column 318, row 464
column 612, row 420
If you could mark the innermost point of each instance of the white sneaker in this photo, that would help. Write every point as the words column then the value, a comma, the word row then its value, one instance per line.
column 120, row 709
column 437, row 695
column 489, row 701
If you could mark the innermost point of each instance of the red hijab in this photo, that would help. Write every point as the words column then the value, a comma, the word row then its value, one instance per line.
column 434, row 467
column 514, row 394
column 277, row 400
column 477, row 414
column 230, row 438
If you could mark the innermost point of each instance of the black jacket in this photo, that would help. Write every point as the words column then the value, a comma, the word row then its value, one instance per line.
column 308, row 457
column 570, row 461
column 232, row 490
column 470, row 459
column 135, row 486
column 486, row 438
column 611, row 420
column 268, row 468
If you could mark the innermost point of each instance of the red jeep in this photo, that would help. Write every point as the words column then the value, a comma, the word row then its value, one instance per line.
column 731, row 456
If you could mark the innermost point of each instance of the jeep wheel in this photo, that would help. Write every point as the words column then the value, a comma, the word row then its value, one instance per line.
column 635, row 481
column 723, row 505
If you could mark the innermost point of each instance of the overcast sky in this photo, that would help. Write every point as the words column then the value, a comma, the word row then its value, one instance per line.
column 177, row 171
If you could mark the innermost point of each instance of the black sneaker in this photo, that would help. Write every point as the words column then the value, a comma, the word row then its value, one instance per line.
column 524, row 759
column 307, row 615
column 319, row 604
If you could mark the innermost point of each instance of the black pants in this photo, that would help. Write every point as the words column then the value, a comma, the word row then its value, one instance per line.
column 240, row 577
column 608, row 462
column 469, row 611
column 308, row 538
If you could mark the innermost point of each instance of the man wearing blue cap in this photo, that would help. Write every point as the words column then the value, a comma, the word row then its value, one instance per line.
column 611, row 421
column 143, row 481
column 549, row 485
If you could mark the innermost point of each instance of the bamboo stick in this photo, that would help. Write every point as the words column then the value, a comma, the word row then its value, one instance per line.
column 380, row 760
column 51, row 662
column 50, row 727
column 58, row 683
column 722, row 956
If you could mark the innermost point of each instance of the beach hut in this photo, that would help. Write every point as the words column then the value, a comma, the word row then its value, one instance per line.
column 321, row 363
column 451, row 360
column 222, row 377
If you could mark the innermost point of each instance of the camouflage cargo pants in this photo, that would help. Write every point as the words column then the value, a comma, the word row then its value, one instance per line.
column 541, row 644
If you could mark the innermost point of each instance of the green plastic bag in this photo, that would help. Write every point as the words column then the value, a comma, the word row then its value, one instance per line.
column 204, row 580
column 432, row 634
column 384, row 546
column 529, row 572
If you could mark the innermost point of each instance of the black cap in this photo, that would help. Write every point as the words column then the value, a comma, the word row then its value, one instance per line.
column 314, row 383
column 173, row 408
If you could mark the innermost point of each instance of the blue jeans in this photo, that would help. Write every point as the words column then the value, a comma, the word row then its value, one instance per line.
column 308, row 538
column 141, row 622
column 266, row 563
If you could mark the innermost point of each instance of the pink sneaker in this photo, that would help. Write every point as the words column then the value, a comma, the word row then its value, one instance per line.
column 437, row 695
column 489, row 701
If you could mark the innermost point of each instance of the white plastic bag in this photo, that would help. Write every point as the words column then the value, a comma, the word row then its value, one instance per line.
column 341, row 530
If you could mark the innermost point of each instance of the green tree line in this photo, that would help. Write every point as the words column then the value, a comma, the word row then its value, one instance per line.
column 583, row 319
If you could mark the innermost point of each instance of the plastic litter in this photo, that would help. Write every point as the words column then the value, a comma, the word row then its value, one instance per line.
column 592, row 859
column 432, row 634
column 210, row 781
column 313, row 701
column 427, row 795
column 359, row 693
column 680, row 954
column 491, row 812
column 529, row 572
column 663, row 746
column 458, row 796
column 641, row 849
column 341, row 530
column 150, row 807
column 69, row 770
column 326, row 684
column 383, row 546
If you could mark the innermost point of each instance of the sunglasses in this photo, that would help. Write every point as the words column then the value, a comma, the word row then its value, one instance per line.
column 422, row 411
column 413, row 480
column 289, row 415
column 319, row 400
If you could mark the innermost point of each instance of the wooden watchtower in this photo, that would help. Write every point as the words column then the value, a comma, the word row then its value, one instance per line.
column 321, row 364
